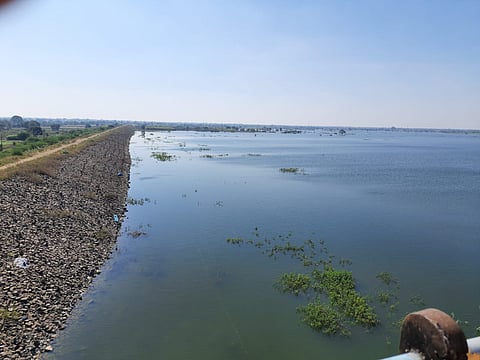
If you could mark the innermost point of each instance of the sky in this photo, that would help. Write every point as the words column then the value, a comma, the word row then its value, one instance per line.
column 378, row 63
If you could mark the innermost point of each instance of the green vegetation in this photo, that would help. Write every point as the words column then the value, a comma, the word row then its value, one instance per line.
column 322, row 318
column 339, row 285
column 235, row 241
column 386, row 278
column 163, row 156
column 294, row 283
column 334, row 304
column 141, row 201
column 102, row 234
column 18, row 142
column 136, row 234
column 9, row 314
column 292, row 170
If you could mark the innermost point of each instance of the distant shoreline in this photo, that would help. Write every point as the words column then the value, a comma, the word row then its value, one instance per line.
column 61, row 219
column 231, row 127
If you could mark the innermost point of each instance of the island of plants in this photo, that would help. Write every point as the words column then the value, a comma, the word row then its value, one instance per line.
column 333, row 304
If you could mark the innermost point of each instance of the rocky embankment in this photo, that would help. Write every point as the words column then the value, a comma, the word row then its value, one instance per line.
column 60, row 218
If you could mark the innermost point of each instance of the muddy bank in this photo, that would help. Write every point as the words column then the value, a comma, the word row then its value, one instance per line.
column 61, row 219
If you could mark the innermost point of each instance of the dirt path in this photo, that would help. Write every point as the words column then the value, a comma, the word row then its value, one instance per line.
column 50, row 151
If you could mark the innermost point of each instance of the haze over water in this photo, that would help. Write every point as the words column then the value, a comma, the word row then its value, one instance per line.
column 403, row 202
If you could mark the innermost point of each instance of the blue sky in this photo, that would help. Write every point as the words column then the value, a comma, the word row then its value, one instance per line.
column 404, row 63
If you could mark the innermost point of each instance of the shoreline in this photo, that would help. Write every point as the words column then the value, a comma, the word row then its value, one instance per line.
column 60, row 217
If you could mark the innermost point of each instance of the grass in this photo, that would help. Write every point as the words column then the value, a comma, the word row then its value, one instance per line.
column 102, row 234
column 9, row 314
column 34, row 169
column 60, row 214
column 16, row 148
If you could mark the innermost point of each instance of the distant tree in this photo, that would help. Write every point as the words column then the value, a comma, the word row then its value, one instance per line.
column 55, row 127
column 16, row 121
column 5, row 125
column 20, row 136
column 33, row 127
column 88, row 126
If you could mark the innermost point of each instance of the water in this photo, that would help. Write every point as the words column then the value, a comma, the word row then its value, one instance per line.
column 403, row 202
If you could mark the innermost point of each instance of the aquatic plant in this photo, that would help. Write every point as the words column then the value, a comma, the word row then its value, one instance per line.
column 323, row 318
column 235, row 241
column 384, row 297
column 417, row 300
column 136, row 234
column 163, row 156
column 294, row 283
column 334, row 305
column 141, row 201
column 386, row 278
column 293, row 170
column 339, row 285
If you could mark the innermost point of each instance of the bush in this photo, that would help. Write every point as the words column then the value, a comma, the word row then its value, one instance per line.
column 20, row 136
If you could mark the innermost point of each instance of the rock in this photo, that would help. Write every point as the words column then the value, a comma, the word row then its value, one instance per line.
column 67, row 234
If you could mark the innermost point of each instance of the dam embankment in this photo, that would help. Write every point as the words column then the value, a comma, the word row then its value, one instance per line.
column 57, row 229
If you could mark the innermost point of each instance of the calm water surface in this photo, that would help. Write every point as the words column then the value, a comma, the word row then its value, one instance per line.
column 403, row 202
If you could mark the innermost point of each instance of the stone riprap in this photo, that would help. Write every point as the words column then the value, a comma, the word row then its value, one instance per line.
column 60, row 222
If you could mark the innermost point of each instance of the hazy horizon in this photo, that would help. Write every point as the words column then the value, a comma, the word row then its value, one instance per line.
column 371, row 63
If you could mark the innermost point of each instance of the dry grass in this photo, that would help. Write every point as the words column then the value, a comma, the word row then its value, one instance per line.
column 91, row 195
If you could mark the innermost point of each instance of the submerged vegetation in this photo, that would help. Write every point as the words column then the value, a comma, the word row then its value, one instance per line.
column 292, row 170
column 333, row 303
column 163, row 156
column 141, row 201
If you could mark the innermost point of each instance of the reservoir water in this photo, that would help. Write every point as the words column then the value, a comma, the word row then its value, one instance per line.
column 402, row 202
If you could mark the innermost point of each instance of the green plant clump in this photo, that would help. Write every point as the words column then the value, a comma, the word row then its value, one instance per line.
column 294, row 283
column 235, row 241
column 323, row 318
column 163, row 156
column 9, row 314
column 292, row 170
column 334, row 304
